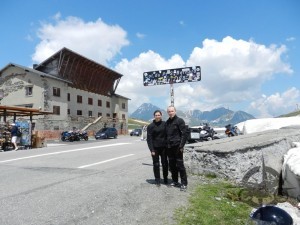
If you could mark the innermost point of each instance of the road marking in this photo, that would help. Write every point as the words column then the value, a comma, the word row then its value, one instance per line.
column 68, row 151
column 54, row 144
column 105, row 161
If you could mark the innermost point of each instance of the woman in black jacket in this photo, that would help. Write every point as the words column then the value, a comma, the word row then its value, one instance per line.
column 156, row 140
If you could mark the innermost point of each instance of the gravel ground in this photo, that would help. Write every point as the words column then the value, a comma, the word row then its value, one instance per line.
column 137, row 200
column 144, row 203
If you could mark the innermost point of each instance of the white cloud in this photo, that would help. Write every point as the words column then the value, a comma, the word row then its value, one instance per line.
column 276, row 104
column 94, row 39
column 233, row 71
column 131, row 84
column 291, row 39
column 57, row 16
column 140, row 35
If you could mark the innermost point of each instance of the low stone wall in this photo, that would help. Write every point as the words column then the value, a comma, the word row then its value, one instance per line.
column 56, row 134
column 253, row 160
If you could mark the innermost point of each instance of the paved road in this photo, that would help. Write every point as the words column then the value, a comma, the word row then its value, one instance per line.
column 93, row 182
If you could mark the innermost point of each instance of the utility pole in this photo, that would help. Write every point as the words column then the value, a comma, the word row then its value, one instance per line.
column 172, row 93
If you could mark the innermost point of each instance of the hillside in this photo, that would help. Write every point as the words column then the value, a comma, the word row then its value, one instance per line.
column 135, row 123
column 295, row 113
column 217, row 117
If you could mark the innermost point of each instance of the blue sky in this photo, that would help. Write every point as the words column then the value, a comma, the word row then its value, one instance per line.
column 249, row 51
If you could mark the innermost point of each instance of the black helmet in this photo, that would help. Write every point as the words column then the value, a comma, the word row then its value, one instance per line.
column 271, row 215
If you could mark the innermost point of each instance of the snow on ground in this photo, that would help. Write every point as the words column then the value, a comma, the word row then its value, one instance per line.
column 291, row 171
column 293, row 157
column 257, row 125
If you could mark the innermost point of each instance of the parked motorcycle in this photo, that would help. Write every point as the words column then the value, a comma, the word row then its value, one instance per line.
column 68, row 136
column 82, row 135
column 205, row 133
column 231, row 130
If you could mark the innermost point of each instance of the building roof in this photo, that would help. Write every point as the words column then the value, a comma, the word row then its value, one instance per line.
column 20, row 111
column 120, row 96
column 85, row 74
column 27, row 69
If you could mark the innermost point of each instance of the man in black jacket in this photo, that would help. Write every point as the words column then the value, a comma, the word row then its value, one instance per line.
column 156, row 140
column 176, row 138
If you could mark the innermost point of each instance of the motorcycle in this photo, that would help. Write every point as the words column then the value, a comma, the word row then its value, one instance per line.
column 68, row 136
column 82, row 135
column 200, row 134
column 231, row 130
column 207, row 133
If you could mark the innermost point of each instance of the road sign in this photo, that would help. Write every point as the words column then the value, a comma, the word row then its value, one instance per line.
column 172, row 76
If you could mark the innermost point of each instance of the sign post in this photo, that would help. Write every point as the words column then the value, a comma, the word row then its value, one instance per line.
column 172, row 76
column 172, row 94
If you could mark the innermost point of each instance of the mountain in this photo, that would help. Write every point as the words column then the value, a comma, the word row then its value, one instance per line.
column 295, row 113
column 216, row 117
column 145, row 112
column 215, row 114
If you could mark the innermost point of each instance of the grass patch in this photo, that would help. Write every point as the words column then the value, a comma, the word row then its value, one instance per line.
column 211, row 176
column 209, row 205
column 133, row 123
column 221, row 203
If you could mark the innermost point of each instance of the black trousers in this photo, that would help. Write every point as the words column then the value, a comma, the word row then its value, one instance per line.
column 176, row 164
column 160, row 152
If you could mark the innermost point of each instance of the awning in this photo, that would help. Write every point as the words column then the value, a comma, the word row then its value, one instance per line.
column 20, row 111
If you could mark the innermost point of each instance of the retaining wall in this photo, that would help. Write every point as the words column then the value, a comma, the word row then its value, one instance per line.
column 253, row 160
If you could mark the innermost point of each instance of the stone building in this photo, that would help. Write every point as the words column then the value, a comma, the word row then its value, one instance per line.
column 80, row 92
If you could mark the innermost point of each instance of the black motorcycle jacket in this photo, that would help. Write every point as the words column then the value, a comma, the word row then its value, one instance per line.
column 156, row 135
column 176, row 132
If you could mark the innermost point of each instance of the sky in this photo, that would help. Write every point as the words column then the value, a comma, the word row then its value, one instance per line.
column 248, row 51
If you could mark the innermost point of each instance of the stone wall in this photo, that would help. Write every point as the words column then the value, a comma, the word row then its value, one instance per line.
column 78, row 122
column 254, row 160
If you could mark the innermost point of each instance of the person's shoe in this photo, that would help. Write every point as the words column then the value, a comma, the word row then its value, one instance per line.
column 183, row 187
column 174, row 184
column 16, row 149
column 166, row 181
column 157, row 183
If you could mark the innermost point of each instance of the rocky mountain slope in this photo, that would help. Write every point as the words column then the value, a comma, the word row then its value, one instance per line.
column 216, row 117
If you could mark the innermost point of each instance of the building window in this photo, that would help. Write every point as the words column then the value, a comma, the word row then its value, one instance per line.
column 26, row 105
column 107, row 104
column 99, row 114
column 69, row 111
column 90, row 113
column 28, row 91
column 56, row 128
column 69, row 97
column 79, row 98
column 107, row 115
column 123, row 116
column 56, row 110
column 90, row 101
column 79, row 112
column 123, row 106
column 56, row 92
column 100, row 103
